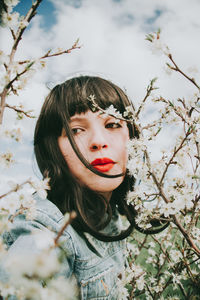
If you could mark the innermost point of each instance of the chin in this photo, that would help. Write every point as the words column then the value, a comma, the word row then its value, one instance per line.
column 109, row 188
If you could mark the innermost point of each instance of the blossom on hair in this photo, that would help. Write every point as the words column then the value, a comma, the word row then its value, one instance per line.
column 111, row 110
column 129, row 112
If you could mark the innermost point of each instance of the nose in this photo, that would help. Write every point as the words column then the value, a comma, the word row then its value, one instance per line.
column 98, row 141
column 96, row 146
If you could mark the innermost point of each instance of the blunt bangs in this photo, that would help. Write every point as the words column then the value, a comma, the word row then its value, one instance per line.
column 75, row 93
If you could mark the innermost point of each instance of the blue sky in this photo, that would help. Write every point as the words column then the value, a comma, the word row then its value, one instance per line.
column 112, row 35
column 46, row 10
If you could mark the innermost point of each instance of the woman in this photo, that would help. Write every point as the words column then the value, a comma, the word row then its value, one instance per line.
column 83, row 152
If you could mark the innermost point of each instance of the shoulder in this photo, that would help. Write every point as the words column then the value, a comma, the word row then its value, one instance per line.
column 48, row 220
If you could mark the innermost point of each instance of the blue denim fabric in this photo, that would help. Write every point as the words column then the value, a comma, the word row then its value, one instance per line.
column 95, row 264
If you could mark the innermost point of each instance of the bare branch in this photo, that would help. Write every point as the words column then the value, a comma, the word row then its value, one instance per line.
column 18, row 110
column 150, row 88
column 74, row 46
column 176, row 68
column 72, row 216
column 174, row 154
column 16, row 188
column 2, row 106
column 13, row 34
column 30, row 14
column 29, row 65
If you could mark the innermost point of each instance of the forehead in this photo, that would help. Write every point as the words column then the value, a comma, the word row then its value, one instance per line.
column 88, row 116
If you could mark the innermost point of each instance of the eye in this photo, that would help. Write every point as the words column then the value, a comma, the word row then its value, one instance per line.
column 76, row 131
column 113, row 125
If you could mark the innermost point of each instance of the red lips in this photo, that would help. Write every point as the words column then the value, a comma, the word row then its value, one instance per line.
column 103, row 164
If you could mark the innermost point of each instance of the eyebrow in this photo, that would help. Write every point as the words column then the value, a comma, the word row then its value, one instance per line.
column 83, row 118
column 78, row 118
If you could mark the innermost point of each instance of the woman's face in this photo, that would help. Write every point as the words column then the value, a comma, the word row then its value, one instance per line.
column 102, row 142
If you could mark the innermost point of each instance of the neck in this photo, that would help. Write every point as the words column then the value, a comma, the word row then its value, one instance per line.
column 107, row 195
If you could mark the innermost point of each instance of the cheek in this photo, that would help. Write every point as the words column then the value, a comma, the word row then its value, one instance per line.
column 123, row 145
column 74, row 164
column 66, row 149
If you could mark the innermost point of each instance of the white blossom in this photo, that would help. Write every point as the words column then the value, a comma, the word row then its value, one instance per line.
column 7, row 289
column 133, row 248
column 111, row 110
column 196, row 234
column 175, row 255
column 23, row 23
column 151, row 252
column 10, row 19
column 7, row 158
column 15, row 134
column 11, row 2
column 4, row 59
column 43, row 239
column 122, row 290
column 60, row 288
column 167, row 70
column 5, row 224
column 158, row 47
column 27, row 200
column 2, row 249
column 41, row 187
column 10, row 203
column 41, row 264
column 167, row 209
column 140, row 282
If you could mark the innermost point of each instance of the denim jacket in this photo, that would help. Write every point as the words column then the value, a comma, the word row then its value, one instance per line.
column 95, row 264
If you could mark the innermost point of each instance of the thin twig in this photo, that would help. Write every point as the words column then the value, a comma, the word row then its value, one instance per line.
column 17, row 76
column 150, row 88
column 174, row 154
column 74, row 46
column 16, row 188
column 18, row 110
column 72, row 216
column 186, row 235
column 13, row 34
column 176, row 68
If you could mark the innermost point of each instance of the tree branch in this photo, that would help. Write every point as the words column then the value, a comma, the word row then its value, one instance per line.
column 175, row 219
column 72, row 216
column 150, row 88
column 74, row 46
column 18, row 110
column 30, row 14
column 16, row 188
column 176, row 68
column 174, row 154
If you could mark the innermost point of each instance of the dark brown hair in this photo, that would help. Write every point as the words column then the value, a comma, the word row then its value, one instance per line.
column 66, row 193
